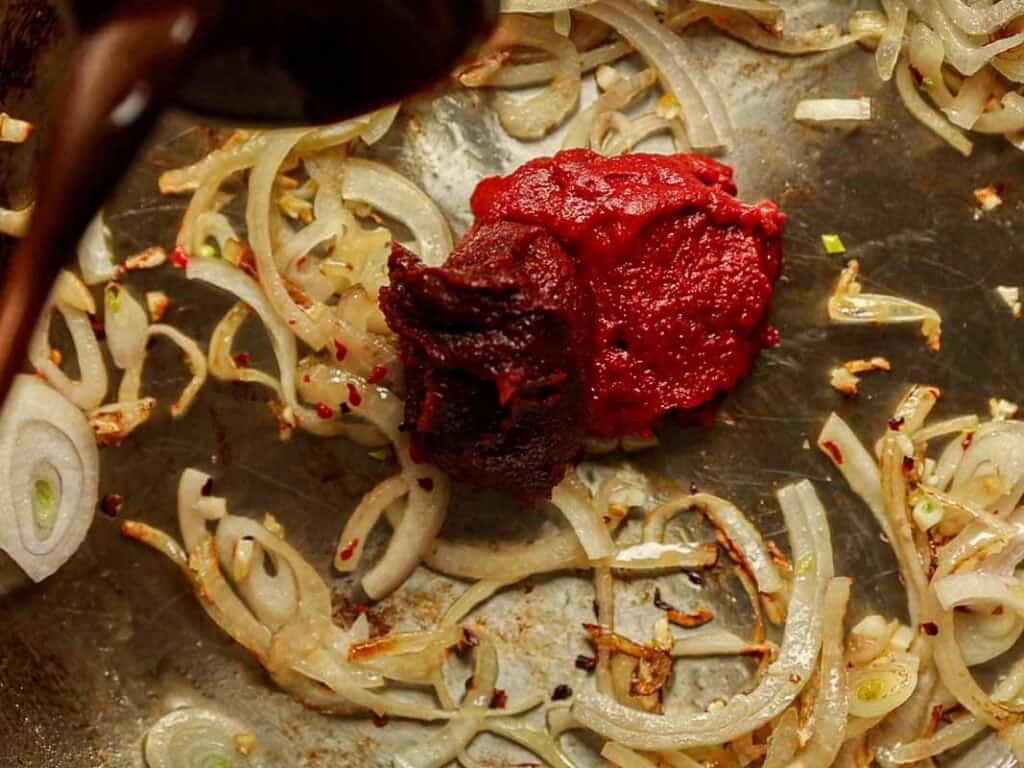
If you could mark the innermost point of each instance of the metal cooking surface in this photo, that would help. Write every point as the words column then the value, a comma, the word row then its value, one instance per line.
column 92, row 657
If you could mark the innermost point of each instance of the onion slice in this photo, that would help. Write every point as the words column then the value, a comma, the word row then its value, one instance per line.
column 72, row 299
column 395, row 196
column 848, row 305
column 833, row 110
column 50, row 477
column 95, row 255
column 196, row 736
column 707, row 122
column 784, row 678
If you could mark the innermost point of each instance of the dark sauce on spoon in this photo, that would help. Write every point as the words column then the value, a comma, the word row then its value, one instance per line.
column 253, row 61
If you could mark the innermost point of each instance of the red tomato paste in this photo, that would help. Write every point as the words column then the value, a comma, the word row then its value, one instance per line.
column 593, row 295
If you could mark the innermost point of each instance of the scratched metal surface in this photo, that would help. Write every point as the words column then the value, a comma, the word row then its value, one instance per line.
column 92, row 657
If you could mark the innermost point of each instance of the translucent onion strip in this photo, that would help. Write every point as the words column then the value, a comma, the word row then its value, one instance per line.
column 617, row 97
column 50, row 477
column 395, row 196
column 195, row 359
column 195, row 736
column 833, row 110
column 848, row 305
column 782, row 681
column 536, row 116
column 572, row 499
column 707, row 122
column 744, row 540
column 74, row 302
column 858, row 467
column 831, row 702
column 95, row 255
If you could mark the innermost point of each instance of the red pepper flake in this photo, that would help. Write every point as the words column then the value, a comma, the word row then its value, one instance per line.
column 966, row 442
column 241, row 359
column 179, row 257
column 468, row 639
column 247, row 263
column 470, row 682
column 499, row 699
column 97, row 327
column 305, row 378
column 586, row 663
column 324, row 411
column 695, row 578
column 561, row 692
column 896, row 424
column 346, row 552
column 908, row 463
column 380, row 720
column 426, row 483
column 361, row 608
column 833, row 451
column 353, row 395
column 930, row 628
column 377, row 374
column 340, row 350
column 112, row 504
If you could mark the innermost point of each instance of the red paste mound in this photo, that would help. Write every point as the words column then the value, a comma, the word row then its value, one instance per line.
column 627, row 288
column 495, row 346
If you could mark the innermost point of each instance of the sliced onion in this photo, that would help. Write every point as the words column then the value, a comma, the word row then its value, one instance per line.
column 848, row 305
column 540, row 6
column 882, row 686
column 617, row 97
column 746, row 544
column 851, row 458
column 463, row 728
column 572, row 499
column 832, row 698
column 221, row 359
column 536, row 116
column 195, row 737
column 931, row 119
column 751, row 32
column 365, row 516
column 715, row 642
column 707, row 122
column 395, row 196
column 654, row 555
column 126, row 324
column 131, row 384
column 833, row 110
column 540, row 72
column 74, row 302
column 783, row 679
column 982, row 19
column 891, row 43
column 95, row 255
column 556, row 551
column 624, row 757
column 236, row 282
column 50, row 477
column 111, row 424
column 784, row 740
